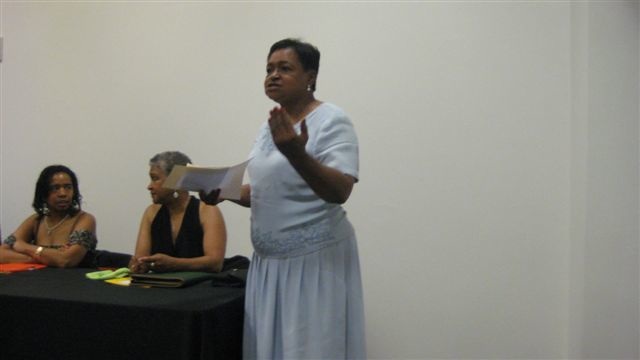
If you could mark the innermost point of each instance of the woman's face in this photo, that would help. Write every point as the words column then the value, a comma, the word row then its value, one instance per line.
column 60, row 192
column 157, row 177
column 286, row 79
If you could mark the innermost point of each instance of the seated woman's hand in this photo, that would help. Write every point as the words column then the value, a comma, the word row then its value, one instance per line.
column 157, row 263
column 138, row 267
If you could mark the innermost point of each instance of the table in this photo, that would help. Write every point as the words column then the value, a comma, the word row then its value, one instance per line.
column 60, row 314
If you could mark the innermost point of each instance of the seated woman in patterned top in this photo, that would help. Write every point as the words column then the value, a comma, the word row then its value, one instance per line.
column 177, row 231
column 59, row 234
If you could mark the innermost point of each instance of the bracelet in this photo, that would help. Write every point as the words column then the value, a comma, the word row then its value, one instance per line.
column 38, row 251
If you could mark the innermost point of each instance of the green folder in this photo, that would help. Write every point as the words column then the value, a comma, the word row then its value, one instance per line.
column 170, row 279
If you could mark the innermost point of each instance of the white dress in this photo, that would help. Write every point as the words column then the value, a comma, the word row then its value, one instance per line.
column 304, row 291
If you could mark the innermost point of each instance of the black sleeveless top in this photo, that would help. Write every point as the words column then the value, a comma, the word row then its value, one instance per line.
column 189, row 240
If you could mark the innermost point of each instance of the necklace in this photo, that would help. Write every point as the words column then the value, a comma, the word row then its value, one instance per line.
column 51, row 228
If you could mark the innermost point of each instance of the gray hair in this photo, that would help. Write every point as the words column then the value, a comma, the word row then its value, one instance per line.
column 168, row 159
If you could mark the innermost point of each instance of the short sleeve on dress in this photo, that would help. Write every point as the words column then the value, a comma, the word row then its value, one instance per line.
column 337, row 145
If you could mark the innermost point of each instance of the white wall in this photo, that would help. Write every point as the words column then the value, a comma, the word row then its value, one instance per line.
column 497, row 212
column 604, row 256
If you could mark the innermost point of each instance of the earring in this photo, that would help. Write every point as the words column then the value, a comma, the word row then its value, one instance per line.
column 175, row 195
column 44, row 209
column 75, row 205
column 309, row 87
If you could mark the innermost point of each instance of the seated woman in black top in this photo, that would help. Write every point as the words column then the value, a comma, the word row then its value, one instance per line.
column 59, row 234
column 177, row 231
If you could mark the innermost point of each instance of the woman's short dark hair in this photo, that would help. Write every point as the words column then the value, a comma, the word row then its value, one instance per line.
column 168, row 159
column 308, row 54
column 43, row 189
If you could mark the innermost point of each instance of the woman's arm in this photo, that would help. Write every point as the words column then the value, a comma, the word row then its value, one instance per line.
column 214, row 240
column 143, row 243
column 328, row 183
column 67, row 256
column 8, row 255
column 23, row 233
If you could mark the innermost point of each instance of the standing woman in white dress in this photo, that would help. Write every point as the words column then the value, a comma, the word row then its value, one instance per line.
column 304, row 290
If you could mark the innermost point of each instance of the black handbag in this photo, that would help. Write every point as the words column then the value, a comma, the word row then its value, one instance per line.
column 233, row 274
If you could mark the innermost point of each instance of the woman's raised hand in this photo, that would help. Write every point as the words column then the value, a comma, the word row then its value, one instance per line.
column 284, row 135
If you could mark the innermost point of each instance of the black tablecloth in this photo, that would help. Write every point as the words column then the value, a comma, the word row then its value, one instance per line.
column 60, row 314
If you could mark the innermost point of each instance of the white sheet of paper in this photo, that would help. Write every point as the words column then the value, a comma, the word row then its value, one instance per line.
column 196, row 178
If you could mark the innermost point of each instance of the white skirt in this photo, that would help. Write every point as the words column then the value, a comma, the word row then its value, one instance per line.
column 306, row 307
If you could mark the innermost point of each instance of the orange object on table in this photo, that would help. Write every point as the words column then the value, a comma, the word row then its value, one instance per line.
column 15, row 267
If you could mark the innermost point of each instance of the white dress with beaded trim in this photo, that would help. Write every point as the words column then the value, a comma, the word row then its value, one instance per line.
column 304, row 290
